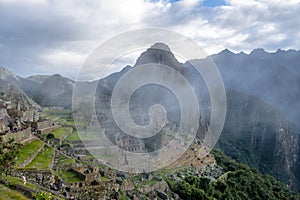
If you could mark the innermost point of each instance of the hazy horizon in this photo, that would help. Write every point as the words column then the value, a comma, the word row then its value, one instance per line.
column 133, row 60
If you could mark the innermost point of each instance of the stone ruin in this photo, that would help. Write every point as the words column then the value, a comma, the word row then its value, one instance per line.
column 43, row 178
column 92, row 184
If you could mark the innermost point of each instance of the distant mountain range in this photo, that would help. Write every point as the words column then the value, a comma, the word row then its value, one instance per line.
column 263, row 91
column 45, row 90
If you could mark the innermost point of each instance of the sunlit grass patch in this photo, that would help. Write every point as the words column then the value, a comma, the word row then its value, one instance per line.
column 43, row 159
column 27, row 150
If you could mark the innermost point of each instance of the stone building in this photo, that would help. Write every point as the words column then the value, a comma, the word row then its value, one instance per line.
column 92, row 187
column 129, row 143
column 43, row 127
column 30, row 116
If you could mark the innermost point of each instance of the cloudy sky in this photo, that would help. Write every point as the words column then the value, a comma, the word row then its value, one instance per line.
column 54, row 36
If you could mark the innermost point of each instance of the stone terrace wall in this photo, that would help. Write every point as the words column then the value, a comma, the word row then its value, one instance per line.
column 18, row 136
column 46, row 126
column 80, row 191
column 43, row 178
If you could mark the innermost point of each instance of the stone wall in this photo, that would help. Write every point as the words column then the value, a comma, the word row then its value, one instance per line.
column 80, row 191
column 45, row 126
column 2, row 126
column 18, row 136
column 43, row 178
column 3, row 120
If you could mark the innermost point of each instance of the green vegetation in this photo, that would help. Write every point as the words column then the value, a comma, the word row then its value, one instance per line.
column 73, row 136
column 13, row 181
column 8, row 153
column 57, row 112
column 43, row 196
column 61, row 132
column 103, row 178
column 27, row 150
column 91, row 135
column 7, row 193
column 241, row 182
column 69, row 176
column 60, row 116
column 65, row 160
column 43, row 159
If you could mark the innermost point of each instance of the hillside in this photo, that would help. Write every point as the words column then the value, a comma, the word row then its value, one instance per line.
column 262, row 93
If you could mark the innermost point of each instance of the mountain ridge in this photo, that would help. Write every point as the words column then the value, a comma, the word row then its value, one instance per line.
column 253, row 74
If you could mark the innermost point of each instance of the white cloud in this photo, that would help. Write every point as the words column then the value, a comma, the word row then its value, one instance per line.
column 61, row 33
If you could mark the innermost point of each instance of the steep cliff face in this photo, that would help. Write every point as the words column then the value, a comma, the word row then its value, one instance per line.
column 257, row 134
column 262, row 129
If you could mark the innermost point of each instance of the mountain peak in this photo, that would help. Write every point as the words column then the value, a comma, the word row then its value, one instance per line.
column 226, row 52
column 7, row 74
column 56, row 76
column 3, row 69
column 258, row 51
column 160, row 45
column 158, row 53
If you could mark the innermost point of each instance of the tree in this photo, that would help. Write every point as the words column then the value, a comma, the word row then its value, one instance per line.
column 50, row 136
column 8, row 152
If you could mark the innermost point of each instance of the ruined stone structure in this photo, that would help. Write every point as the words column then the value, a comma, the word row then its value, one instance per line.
column 44, row 127
column 129, row 143
column 30, row 116
column 92, row 187
column 42, row 178
column 84, row 192
column 18, row 136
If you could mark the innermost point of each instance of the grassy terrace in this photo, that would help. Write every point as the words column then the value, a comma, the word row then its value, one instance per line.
column 61, row 132
column 65, row 160
column 90, row 136
column 70, row 176
column 73, row 136
column 43, row 159
column 7, row 193
column 27, row 150
column 60, row 116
